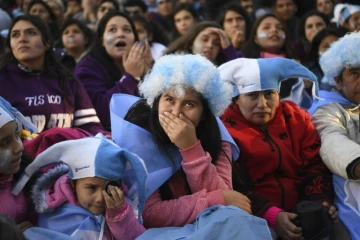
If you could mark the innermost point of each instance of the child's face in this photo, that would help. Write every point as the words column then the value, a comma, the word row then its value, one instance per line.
column 10, row 149
column 89, row 192
column 270, row 35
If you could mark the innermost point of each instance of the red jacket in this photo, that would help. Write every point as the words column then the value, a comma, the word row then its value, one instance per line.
column 283, row 161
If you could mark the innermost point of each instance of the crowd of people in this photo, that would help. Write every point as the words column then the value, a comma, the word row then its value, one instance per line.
column 179, row 119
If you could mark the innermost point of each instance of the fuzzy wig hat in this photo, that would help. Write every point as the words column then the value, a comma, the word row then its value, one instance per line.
column 343, row 12
column 9, row 113
column 179, row 72
column 252, row 75
column 342, row 54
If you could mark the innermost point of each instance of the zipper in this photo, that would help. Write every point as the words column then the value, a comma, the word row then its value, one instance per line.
column 272, row 143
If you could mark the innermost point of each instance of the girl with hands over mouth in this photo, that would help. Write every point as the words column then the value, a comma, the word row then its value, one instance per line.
column 183, row 118
column 207, row 39
column 115, row 63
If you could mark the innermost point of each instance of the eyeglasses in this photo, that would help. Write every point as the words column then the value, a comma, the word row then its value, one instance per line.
column 136, row 12
column 103, row 9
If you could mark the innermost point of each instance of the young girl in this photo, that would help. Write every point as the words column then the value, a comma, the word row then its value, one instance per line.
column 185, row 17
column 11, row 150
column 268, row 39
column 207, row 39
column 45, row 92
column 183, row 119
column 235, row 22
column 115, row 63
column 145, row 32
column 85, row 199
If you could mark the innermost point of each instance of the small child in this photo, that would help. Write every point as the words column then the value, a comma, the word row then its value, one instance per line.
column 11, row 150
column 78, row 198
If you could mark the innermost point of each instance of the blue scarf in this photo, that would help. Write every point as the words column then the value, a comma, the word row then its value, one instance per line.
column 139, row 141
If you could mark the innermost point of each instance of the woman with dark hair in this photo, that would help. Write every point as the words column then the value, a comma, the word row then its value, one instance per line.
column 268, row 39
column 185, row 17
column 105, row 7
column 326, row 7
column 76, row 40
column 183, row 120
column 114, row 64
column 37, row 85
column 42, row 10
column 235, row 22
column 320, row 44
column 310, row 24
column 207, row 39
column 145, row 32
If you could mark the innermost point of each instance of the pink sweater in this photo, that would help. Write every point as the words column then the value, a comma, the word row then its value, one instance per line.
column 121, row 221
column 196, row 187
column 15, row 207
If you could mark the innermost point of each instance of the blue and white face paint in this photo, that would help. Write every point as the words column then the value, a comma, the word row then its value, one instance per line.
column 5, row 158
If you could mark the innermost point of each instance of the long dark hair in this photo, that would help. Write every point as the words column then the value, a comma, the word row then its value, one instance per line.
column 207, row 131
column 185, row 42
column 235, row 7
column 252, row 50
column 53, row 26
column 51, row 64
column 302, row 23
column 98, row 51
column 313, row 55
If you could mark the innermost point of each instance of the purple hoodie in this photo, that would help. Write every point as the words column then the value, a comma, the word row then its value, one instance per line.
column 14, row 206
column 39, row 97
column 93, row 74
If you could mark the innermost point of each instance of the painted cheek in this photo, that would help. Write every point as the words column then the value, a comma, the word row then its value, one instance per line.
column 109, row 39
column 262, row 35
column 39, row 46
column 5, row 158
column 197, row 47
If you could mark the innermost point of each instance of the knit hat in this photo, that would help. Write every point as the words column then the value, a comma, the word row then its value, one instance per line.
column 252, row 75
column 341, row 54
column 9, row 113
column 90, row 157
column 179, row 72
column 158, row 1
column 342, row 12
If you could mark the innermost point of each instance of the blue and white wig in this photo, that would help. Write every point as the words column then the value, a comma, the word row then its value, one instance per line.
column 179, row 72
column 343, row 53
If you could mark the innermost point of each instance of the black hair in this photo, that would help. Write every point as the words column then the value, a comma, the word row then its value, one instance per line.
column 145, row 23
column 314, row 49
column 183, row 7
column 81, row 25
column 252, row 50
column 98, row 51
column 185, row 42
column 53, row 26
column 114, row 2
column 235, row 7
column 207, row 131
column 273, row 3
column 51, row 64
column 302, row 23
column 136, row 3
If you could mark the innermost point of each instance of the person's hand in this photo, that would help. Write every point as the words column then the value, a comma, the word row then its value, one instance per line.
column 116, row 199
column 133, row 61
column 180, row 130
column 237, row 37
column 237, row 199
column 224, row 39
column 333, row 213
column 149, row 61
column 286, row 229
column 25, row 225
